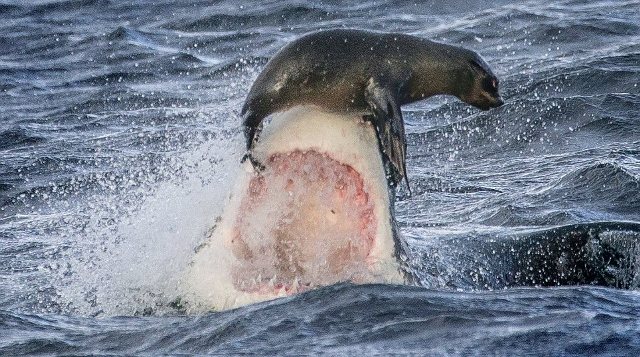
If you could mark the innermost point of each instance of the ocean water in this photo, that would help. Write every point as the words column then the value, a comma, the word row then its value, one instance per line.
column 120, row 137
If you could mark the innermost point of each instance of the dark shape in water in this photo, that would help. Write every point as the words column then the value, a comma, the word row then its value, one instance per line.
column 604, row 254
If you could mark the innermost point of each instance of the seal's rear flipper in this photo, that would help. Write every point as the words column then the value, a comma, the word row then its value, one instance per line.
column 387, row 119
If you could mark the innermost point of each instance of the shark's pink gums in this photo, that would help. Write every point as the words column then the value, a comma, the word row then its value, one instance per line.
column 328, row 225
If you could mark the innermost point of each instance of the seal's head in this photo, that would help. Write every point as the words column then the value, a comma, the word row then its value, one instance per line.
column 480, row 87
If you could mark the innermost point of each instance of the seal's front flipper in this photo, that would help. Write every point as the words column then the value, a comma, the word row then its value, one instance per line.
column 252, row 124
column 389, row 125
column 252, row 128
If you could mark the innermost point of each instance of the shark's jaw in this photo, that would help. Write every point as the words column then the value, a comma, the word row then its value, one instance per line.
column 319, row 213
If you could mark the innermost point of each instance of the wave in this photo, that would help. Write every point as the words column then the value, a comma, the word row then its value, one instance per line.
column 574, row 31
column 606, row 185
column 421, row 184
column 343, row 319
column 16, row 137
column 114, row 78
column 261, row 16
column 123, row 99
column 6, row 8
column 511, row 215
column 66, row 6
column 527, row 126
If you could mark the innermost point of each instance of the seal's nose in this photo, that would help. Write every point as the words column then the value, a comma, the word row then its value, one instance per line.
column 498, row 102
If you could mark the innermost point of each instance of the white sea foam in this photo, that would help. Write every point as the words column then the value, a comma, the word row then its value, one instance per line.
column 131, row 257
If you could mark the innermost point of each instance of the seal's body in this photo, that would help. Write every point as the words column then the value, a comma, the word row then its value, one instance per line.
column 370, row 73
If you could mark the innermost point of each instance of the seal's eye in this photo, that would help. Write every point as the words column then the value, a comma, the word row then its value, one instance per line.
column 490, row 84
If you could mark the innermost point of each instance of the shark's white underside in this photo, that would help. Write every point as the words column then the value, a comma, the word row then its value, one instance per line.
column 260, row 234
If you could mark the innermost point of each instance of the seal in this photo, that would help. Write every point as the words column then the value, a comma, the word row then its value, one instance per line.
column 371, row 73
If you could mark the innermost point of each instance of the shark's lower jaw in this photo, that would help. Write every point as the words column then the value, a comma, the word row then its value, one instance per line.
column 319, row 225
column 319, row 213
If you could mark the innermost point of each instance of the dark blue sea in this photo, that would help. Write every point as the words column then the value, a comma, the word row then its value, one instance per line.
column 119, row 129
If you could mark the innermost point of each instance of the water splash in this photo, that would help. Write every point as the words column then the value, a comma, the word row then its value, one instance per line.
column 127, row 259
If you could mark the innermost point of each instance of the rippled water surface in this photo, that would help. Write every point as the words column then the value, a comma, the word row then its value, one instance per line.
column 120, row 137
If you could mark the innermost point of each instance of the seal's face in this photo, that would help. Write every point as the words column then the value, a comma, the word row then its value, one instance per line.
column 483, row 92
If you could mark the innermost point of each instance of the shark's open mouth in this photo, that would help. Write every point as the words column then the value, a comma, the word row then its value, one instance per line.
column 319, row 213
column 320, row 229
